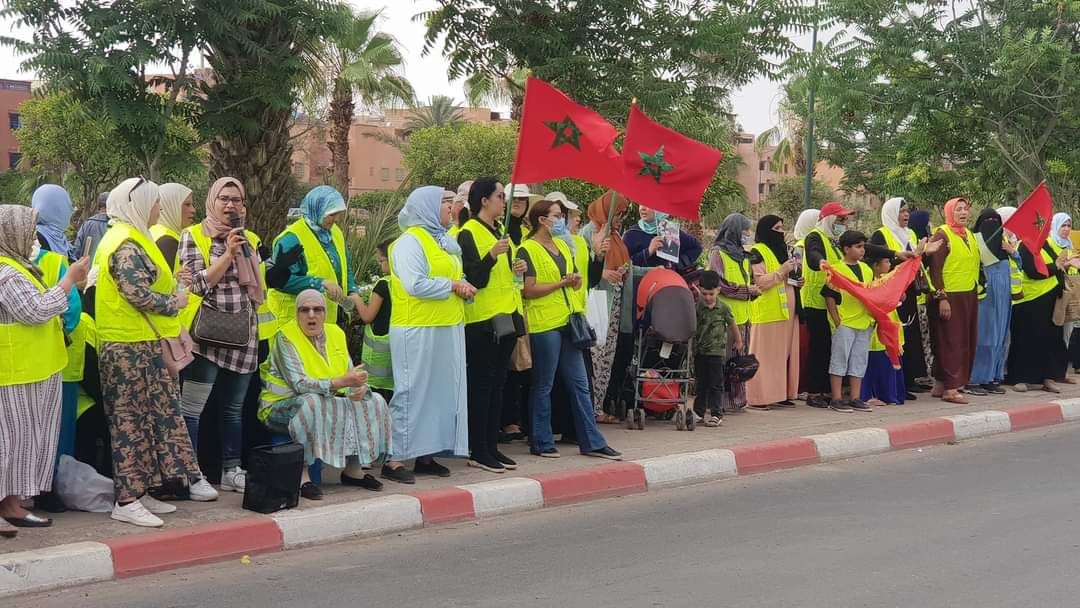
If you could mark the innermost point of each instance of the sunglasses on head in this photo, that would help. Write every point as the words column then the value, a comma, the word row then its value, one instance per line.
column 142, row 180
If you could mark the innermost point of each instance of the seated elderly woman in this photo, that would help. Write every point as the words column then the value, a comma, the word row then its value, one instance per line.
column 313, row 393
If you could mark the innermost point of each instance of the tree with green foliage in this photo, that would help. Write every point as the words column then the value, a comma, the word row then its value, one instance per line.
column 439, row 111
column 448, row 155
column 786, row 198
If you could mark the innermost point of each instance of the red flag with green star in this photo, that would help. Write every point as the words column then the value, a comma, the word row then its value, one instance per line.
column 665, row 170
column 560, row 139
column 1031, row 223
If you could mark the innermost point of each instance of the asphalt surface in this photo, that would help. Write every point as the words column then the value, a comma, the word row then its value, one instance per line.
column 987, row 523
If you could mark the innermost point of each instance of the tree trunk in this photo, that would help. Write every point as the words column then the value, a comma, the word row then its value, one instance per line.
column 262, row 160
column 341, row 116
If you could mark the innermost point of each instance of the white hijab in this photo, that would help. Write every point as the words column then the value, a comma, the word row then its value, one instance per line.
column 172, row 200
column 130, row 205
column 890, row 220
column 806, row 222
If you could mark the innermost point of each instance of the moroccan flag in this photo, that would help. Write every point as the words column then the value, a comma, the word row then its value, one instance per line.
column 881, row 297
column 1031, row 223
column 664, row 169
column 560, row 139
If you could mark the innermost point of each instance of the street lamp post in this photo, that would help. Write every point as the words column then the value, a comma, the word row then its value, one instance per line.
column 809, row 187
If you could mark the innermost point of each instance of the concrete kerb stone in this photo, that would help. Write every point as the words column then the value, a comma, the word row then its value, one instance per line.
column 502, row 496
column 1070, row 408
column 364, row 518
column 53, row 567
column 851, row 444
column 980, row 424
column 689, row 468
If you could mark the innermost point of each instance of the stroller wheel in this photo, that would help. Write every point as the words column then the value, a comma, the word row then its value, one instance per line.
column 690, row 424
column 680, row 424
column 631, row 419
column 639, row 417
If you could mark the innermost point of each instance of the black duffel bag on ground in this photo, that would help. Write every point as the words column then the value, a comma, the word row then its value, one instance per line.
column 273, row 477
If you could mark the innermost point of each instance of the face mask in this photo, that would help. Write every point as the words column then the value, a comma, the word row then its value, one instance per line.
column 747, row 240
column 558, row 227
column 839, row 229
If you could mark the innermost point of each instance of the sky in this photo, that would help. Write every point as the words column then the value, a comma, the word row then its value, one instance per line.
column 755, row 105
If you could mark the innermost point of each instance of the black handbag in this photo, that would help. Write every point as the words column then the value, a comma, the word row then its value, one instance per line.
column 503, row 326
column 213, row 327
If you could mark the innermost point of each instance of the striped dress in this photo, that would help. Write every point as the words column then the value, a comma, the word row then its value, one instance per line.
column 331, row 428
column 29, row 413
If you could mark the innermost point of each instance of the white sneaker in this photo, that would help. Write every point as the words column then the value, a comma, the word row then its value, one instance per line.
column 202, row 491
column 136, row 513
column 234, row 480
column 155, row 506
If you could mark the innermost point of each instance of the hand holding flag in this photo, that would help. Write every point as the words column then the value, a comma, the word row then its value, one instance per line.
column 1031, row 223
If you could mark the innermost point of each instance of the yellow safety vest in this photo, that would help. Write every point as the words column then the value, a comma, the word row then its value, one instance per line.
column 454, row 230
column 85, row 333
column 1036, row 288
column 553, row 310
column 335, row 364
column 84, row 403
column 1016, row 279
column 1057, row 251
column 117, row 319
column 500, row 296
column 267, row 321
column 739, row 275
column 581, row 262
column 875, row 342
column 852, row 312
column 283, row 305
column 160, row 230
column 376, row 354
column 30, row 353
column 410, row 311
column 814, row 280
column 961, row 270
column 772, row 305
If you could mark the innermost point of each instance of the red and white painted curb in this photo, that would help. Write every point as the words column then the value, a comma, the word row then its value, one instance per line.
column 127, row 556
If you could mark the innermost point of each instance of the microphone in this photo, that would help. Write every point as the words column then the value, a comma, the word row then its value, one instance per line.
column 236, row 222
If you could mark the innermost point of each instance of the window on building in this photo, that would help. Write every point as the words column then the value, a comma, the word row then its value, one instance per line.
column 761, row 188
column 761, row 165
column 785, row 168
column 399, row 174
column 14, row 120
column 299, row 170
column 371, row 172
column 385, row 174
column 13, row 159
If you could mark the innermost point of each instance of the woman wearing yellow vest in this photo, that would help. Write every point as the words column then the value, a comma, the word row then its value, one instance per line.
column 312, row 392
column 953, row 308
column 427, row 339
column 730, row 260
column 1037, row 351
column 995, row 310
column 1060, row 240
column 324, row 264
column 32, row 355
column 549, row 279
column 177, row 213
column 225, row 273
column 493, row 320
column 375, row 314
column 136, row 288
column 774, row 328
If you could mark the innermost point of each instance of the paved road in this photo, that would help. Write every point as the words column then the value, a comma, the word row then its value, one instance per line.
column 988, row 523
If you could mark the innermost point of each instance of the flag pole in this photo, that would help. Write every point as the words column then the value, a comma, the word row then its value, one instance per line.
column 611, row 212
column 509, row 210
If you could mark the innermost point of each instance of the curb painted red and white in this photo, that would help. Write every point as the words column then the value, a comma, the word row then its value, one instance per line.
column 127, row 556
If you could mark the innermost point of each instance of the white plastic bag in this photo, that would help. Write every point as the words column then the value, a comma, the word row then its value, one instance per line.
column 82, row 488
column 597, row 314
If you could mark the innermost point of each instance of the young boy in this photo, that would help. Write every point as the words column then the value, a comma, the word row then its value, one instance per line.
column 376, row 317
column 715, row 326
column 882, row 384
column 852, row 326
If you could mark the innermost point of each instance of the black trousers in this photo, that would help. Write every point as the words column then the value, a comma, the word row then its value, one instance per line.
column 709, row 378
column 487, row 363
column 817, row 326
column 516, row 398
column 621, row 385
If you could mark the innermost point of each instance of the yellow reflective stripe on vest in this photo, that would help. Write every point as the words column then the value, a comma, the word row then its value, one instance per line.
column 410, row 311
column 30, row 353
column 283, row 305
column 553, row 310
column 117, row 319
column 772, row 305
column 737, row 274
column 498, row 297
column 961, row 270
column 1036, row 288
column 814, row 280
column 852, row 312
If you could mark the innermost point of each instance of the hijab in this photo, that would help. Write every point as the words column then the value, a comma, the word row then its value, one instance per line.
column 307, row 298
column 130, row 203
column 321, row 202
column 920, row 223
column 618, row 255
column 1005, row 213
column 770, row 238
column 17, row 235
column 422, row 210
column 172, row 201
column 825, row 224
column 1059, row 220
column 989, row 234
column 218, row 224
column 653, row 226
column 950, row 217
column 806, row 222
column 53, row 206
column 729, row 239
column 890, row 220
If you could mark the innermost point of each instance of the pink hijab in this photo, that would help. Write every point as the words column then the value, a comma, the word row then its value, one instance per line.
column 950, row 217
column 217, row 226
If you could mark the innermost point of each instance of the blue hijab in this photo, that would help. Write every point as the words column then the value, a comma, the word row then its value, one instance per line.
column 1055, row 226
column 319, row 203
column 653, row 226
column 422, row 209
column 919, row 221
column 53, row 206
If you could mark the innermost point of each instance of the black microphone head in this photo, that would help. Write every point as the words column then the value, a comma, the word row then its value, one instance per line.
column 235, row 221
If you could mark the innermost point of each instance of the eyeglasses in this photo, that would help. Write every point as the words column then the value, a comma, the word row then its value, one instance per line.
column 308, row 310
column 500, row 196
column 234, row 200
column 142, row 180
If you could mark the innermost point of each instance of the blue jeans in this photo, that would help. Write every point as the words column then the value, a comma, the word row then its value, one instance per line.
column 554, row 356
column 200, row 378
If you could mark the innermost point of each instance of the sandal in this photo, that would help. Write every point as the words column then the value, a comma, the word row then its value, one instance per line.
column 957, row 399
column 606, row 418
column 713, row 421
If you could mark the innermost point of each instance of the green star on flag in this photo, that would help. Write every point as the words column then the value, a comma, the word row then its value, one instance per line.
column 655, row 165
column 1039, row 222
column 566, row 132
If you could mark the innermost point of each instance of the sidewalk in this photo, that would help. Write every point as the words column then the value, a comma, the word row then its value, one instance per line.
column 658, row 439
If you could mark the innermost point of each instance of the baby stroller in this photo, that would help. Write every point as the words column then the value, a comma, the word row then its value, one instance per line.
column 661, row 363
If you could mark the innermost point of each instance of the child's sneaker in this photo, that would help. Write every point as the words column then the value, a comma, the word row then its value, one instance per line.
column 859, row 406
column 839, row 405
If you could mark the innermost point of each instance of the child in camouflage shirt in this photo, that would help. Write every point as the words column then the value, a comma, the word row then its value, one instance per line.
column 715, row 326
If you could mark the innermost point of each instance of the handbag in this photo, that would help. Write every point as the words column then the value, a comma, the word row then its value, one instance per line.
column 178, row 352
column 596, row 312
column 213, row 327
column 503, row 326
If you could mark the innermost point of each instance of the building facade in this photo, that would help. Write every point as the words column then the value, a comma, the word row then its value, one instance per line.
column 12, row 94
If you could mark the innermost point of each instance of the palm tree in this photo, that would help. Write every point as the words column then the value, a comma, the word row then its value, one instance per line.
column 359, row 62
column 496, row 90
column 440, row 111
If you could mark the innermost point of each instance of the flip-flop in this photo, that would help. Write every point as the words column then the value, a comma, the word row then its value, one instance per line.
column 958, row 400
column 607, row 419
